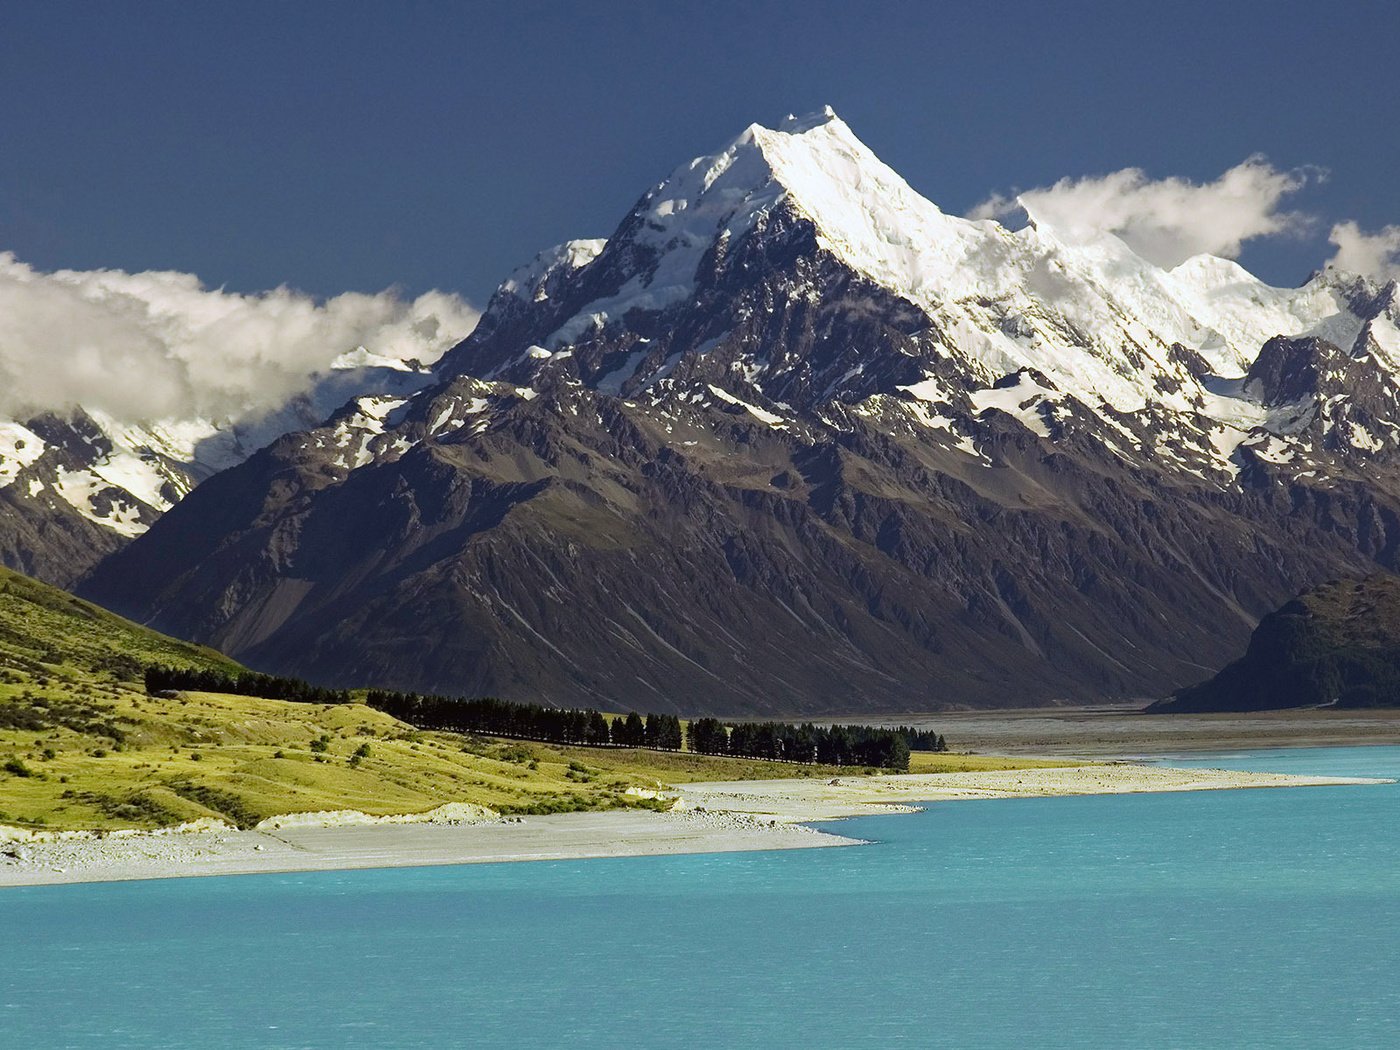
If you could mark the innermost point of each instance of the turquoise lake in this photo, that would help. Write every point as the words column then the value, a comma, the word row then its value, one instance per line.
column 1266, row 918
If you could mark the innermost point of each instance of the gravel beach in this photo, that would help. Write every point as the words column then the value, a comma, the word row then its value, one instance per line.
column 707, row 818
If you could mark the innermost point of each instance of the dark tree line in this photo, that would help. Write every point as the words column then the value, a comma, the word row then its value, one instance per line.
column 922, row 739
column 709, row 736
column 849, row 745
column 807, row 743
column 529, row 721
column 269, row 687
column 493, row 717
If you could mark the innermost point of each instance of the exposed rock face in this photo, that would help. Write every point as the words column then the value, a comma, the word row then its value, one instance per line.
column 793, row 440
column 1338, row 644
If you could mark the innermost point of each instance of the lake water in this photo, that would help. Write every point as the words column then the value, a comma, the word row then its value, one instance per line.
column 1215, row 919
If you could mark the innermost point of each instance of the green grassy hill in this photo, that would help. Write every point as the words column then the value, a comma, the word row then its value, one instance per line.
column 46, row 632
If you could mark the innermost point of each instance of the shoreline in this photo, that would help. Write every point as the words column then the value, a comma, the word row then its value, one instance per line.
column 708, row 817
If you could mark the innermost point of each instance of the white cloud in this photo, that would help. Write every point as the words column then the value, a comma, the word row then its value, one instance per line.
column 1369, row 254
column 160, row 346
column 1165, row 220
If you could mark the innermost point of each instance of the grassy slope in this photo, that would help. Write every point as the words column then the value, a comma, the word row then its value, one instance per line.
column 44, row 625
column 99, row 753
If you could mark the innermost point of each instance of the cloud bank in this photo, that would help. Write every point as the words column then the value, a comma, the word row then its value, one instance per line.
column 1370, row 254
column 160, row 346
column 1166, row 221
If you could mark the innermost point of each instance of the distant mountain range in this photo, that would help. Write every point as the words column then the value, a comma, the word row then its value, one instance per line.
column 77, row 485
column 794, row 440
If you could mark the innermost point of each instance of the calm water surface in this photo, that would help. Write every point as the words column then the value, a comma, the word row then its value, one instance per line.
column 1214, row 919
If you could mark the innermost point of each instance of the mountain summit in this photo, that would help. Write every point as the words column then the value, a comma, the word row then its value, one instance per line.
column 1104, row 326
column 793, row 439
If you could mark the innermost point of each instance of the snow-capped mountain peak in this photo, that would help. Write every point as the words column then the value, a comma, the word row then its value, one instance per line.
column 863, row 211
column 677, row 297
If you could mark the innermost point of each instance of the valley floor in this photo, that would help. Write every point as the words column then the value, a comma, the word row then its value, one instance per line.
column 709, row 817
column 1124, row 731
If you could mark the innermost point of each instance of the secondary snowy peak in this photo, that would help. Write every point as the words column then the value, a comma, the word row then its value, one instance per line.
column 532, row 281
column 121, row 476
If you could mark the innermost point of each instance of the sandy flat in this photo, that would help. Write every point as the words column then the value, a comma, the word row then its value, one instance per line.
column 712, row 817
column 1116, row 731
column 856, row 796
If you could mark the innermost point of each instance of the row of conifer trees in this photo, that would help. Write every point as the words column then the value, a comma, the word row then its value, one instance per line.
column 529, row 721
column 840, row 745
column 247, row 683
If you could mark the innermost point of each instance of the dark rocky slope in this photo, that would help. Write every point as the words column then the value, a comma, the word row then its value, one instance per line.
column 1337, row 644
column 584, row 550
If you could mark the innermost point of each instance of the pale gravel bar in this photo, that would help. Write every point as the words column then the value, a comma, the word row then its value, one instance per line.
column 856, row 796
column 710, row 818
column 565, row 836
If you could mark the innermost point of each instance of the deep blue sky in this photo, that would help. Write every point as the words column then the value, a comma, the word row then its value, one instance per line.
column 356, row 146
